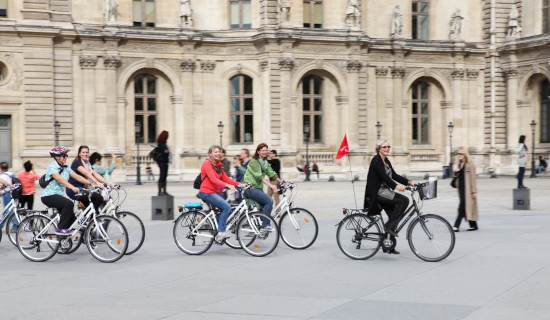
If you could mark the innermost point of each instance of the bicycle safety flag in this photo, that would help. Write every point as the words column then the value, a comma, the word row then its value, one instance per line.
column 344, row 149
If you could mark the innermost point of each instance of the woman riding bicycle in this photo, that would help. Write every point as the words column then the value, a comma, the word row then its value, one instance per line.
column 214, row 180
column 57, row 174
column 380, row 189
column 258, row 172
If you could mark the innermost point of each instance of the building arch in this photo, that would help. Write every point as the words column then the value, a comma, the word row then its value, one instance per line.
column 146, row 65
column 321, row 69
column 432, row 77
column 526, row 82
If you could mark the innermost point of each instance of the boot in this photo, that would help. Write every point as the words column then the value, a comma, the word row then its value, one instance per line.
column 164, row 187
column 160, row 188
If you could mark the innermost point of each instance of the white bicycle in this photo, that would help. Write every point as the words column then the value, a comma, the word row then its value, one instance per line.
column 11, row 212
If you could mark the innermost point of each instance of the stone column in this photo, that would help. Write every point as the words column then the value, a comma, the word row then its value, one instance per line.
column 380, row 114
column 284, row 115
column 353, row 67
column 514, row 118
column 123, row 124
column 400, row 121
column 186, row 128
column 88, row 64
column 475, row 120
column 454, row 114
column 110, row 138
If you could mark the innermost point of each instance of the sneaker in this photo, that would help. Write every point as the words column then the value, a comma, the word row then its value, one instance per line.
column 63, row 232
column 223, row 235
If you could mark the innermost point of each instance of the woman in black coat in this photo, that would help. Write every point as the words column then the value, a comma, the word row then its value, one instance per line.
column 380, row 190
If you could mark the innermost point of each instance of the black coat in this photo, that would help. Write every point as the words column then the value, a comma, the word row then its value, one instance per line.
column 377, row 175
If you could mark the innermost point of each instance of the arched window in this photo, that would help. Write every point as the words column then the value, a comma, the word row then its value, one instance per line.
column 313, row 14
column 242, row 109
column 420, row 112
column 545, row 111
column 545, row 16
column 240, row 14
column 312, row 106
column 144, row 13
column 420, row 19
column 145, row 105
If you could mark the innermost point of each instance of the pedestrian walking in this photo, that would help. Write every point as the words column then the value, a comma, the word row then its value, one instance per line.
column 522, row 161
column 315, row 169
column 149, row 171
column 28, row 186
column 466, row 184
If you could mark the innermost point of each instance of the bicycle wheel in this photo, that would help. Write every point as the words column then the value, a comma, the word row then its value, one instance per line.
column 358, row 236
column 69, row 245
column 193, row 232
column 36, row 240
column 431, row 237
column 255, row 239
column 298, row 229
column 135, row 228
column 9, row 228
column 233, row 241
column 106, row 238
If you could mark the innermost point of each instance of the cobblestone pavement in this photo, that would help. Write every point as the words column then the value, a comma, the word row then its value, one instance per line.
column 501, row 271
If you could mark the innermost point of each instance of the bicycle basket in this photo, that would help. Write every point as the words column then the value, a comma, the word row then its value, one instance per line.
column 428, row 190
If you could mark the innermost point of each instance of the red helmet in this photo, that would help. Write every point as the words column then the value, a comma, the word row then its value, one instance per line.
column 58, row 151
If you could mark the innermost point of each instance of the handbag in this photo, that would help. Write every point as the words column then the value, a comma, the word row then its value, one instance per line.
column 454, row 182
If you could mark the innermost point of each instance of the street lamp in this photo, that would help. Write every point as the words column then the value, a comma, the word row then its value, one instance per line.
column 220, row 130
column 307, row 135
column 533, row 125
column 57, row 129
column 138, row 131
column 378, row 129
column 450, row 127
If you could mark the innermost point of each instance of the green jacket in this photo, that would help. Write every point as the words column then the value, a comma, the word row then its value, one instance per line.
column 255, row 173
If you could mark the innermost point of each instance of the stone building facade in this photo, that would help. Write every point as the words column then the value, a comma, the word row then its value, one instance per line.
column 267, row 69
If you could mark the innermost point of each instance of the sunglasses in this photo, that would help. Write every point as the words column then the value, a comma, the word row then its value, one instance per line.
column 63, row 156
column 385, row 147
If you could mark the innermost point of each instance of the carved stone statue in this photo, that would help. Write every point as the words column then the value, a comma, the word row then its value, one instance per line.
column 284, row 10
column 455, row 25
column 186, row 14
column 513, row 25
column 353, row 14
column 111, row 7
column 396, row 22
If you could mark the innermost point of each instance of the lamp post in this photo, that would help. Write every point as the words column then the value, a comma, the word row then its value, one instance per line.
column 450, row 127
column 57, row 129
column 307, row 135
column 378, row 129
column 220, row 130
column 533, row 125
column 138, row 168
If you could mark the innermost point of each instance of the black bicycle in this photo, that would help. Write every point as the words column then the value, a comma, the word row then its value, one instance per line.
column 430, row 236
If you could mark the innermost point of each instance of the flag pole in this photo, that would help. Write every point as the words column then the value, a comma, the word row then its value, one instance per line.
column 352, row 182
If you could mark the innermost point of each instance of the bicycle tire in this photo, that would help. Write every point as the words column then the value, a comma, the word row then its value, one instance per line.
column 255, row 239
column 135, row 228
column 303, row 237
column 26, row 238
column 106, row 238
column 441, row 231
column 185, row 240
column 233, row 241
column 11, row 235
column 76, row 241
column 351, row 243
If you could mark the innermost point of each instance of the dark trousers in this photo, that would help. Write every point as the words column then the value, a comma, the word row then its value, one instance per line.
column 462, row 214
column 521, row 174
column 394, row 209
column 163, row 166
column 97, row 200
column 65, row 207
column 26, row 199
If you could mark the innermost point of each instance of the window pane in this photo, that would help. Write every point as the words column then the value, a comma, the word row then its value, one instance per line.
column 415, row 108
column 306, row 86
column 415, row 27
column 424, row 90
column 317, row 83
column 414, row 130
column 235, row 85
column 137, row 12
column 307, row 14
column 248, row 104
column 414, row 7
column 424, row 7
column 151, row 84
column 306, row 106
column 139, row 118
column 150, row 13
column 236, row 128
column 247, row 85
column 248, row 129
column 235, row 23
column 305, row 123
column 318, row 104
column 235, row 104
column 318, row 128
column 138, row 102
column 424, row 130
column 247, row 15
column 138, row 84
column 424, row 25
column 151, row 104
column 318, row 15
column 424, row 108
column 152, row 130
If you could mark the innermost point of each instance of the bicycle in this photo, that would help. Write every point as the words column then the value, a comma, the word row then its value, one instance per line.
column 105, row 236
column 10, row 212
column 297, row 226
column 195, row 230
column 430, row 236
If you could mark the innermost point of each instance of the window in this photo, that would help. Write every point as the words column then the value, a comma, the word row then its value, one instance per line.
column 145, row 105
column 546, row 16
column 242, row 109
column 3, row 8
column 312, row 106
column 3, row 72
column 545, row 111
column 420, row 112
column 420, row 19
column 313, row 14
column 144, row 13
column 240, row 14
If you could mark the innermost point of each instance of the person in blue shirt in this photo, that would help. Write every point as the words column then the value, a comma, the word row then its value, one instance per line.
column 58, row 173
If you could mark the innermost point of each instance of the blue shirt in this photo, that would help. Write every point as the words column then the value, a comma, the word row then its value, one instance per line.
column 55, row 187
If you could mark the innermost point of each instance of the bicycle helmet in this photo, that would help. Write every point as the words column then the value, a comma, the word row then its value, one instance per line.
column 58, row 151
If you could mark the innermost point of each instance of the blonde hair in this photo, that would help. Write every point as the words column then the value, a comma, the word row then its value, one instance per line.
column 466, row 154
column 379, row 143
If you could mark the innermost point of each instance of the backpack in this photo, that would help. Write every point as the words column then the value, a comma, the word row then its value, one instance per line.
column 197, row 183
column 155, row 154
column 16, row 193
column 43, row 182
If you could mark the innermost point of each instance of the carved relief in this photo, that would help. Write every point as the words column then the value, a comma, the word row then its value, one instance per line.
column 354, row 65
column 188, row 65
column 92, row 45
column 457, row 73
column 263, row 65
column 87, row 61
column 286, row 64
column 112, row 62
column 14, row 78
column 208, row 66
column 397, row 72
column 472, row 73
column 381, row 71
column 510, row 72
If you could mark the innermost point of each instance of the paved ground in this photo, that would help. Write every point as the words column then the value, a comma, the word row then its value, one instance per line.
column 500, row 272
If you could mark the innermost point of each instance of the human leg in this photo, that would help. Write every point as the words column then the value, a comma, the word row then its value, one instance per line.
column 398, row 206
column 263, row 199
column 521, row 174
column 65, row 207
column 217, row 201
column 461, row 214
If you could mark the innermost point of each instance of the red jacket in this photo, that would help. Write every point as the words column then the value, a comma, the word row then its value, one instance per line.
column 213, row 182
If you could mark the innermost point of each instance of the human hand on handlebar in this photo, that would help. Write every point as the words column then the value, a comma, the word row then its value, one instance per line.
column 75, row 190
column 400, row 188
column 230, row 187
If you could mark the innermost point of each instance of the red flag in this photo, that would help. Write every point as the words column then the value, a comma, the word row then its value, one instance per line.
column 344, row 149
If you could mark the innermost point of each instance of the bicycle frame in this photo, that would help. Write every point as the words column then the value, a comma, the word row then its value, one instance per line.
column 9, row 210
column 285, row 205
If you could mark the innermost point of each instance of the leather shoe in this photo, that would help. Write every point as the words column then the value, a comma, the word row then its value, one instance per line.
column 455, row 229
column 472, row 229
column 393, row 251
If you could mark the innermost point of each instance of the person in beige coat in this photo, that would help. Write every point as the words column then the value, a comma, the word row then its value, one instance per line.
column 467, row 191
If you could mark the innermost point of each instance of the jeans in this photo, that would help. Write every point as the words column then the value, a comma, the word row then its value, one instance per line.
column 163, row 166
column 521, row 173
column 6, row 198
column 217, row 201
column 263, row 199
